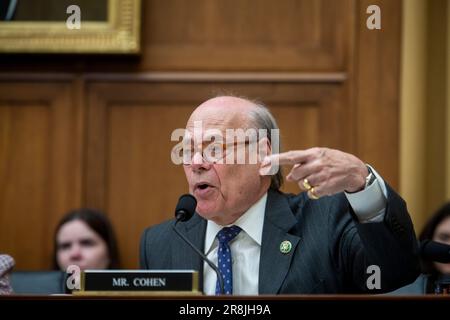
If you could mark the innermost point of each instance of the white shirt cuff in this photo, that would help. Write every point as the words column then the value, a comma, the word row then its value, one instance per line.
column 369, row 204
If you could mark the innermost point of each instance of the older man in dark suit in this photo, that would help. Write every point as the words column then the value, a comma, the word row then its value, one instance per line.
column 349, row 232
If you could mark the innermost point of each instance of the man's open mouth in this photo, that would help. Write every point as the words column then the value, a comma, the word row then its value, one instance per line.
column 202, row 186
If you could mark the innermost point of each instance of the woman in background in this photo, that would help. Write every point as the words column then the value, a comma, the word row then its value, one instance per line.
column 85, row 237
column 434, row 274
column 6, row 265
column 437, row 229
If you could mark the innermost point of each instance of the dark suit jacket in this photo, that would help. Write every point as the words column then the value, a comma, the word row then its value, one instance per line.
column 330, row 249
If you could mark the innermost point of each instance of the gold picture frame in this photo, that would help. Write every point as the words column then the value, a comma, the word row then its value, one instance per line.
column 120, row 34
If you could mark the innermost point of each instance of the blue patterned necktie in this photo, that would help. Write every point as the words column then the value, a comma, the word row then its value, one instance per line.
column 224, row 258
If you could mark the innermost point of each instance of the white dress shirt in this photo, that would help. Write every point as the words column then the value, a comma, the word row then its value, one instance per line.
column 245, row 251
column 246, row 247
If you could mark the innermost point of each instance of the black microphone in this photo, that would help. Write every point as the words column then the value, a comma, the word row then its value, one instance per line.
column 185, row 207
column 183, row 212
column 435, row 251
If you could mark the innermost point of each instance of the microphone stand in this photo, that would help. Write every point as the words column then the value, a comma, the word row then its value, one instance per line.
column 201, row 254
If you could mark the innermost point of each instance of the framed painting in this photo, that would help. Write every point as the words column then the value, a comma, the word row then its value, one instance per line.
column 70, row 26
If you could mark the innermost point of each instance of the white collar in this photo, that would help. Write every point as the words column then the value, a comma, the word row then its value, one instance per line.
column 251, row 222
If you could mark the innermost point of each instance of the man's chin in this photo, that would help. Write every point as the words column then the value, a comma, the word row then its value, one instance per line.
column 207, row 209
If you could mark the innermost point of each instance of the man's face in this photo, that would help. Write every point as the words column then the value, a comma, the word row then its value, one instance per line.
column 223, row 191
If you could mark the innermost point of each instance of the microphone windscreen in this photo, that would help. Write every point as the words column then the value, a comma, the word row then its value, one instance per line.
column 186, row 207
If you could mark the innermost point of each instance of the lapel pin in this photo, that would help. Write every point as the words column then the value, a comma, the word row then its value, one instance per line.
column 285, row 247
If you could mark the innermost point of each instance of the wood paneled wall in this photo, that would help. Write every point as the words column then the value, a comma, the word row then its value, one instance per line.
column 95, row 131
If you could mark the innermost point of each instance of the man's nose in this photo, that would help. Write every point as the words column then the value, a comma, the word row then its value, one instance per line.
column 199, row 163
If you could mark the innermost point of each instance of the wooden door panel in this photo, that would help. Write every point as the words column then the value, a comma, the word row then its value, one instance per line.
column 40, row 167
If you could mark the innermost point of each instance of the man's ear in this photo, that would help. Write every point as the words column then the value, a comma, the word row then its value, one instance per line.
column 264, row 149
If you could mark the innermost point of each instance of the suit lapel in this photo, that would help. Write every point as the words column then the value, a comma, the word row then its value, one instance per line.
column 185, row 256
column 274, row 265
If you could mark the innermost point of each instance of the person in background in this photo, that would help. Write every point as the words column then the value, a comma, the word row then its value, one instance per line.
column 85, row 237
column 437, row 229
column 6, row 265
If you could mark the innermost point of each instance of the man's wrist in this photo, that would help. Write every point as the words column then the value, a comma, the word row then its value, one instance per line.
column 369, row 204
column 363, row 180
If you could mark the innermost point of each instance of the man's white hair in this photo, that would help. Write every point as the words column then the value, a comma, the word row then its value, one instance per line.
column 262, row 118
